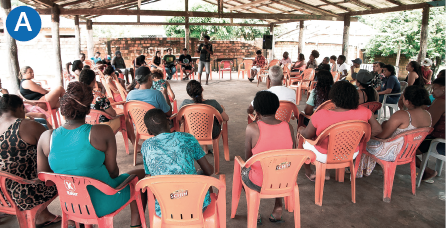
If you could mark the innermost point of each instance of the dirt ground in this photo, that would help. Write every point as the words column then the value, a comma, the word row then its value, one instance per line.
column 426, row 209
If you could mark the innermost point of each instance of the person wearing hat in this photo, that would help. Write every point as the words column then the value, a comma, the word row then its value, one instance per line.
column 157, row 98
column 354, row 70
column 365, row 89
column 426, row 71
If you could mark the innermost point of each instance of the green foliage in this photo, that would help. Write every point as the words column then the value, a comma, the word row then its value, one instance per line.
column 404, row 29
column 215, row 32
column 111, row 31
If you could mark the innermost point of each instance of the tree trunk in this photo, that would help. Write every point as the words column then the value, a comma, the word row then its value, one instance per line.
column 346, row 34
column 77, row 35
column 12, row 65
column 301, row 46
column 424, row 33
column 55, row 37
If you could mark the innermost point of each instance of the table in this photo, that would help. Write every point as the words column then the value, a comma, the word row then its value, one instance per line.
column 217, row 61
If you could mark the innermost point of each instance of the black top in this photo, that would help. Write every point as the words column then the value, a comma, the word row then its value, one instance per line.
column 182, row 57
column 157, row 60
column 29, row 94
column 204, row 55
column 417, row 81
column 118, row 62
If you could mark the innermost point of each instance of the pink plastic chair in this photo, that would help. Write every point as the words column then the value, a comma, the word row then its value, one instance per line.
column 75, row 201
column 54, row 113
column 181, row 201
column 327, row 105
column 280, row 169
column 303, row 83
column 286, row 112
column 227, row 66
column 246, row 70
column 26, row 219
column 373, row 106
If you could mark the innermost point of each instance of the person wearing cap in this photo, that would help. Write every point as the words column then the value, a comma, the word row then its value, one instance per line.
column 156, row 98
column 365, row 89
column 97, row 57
column 119, row 64
column 354, row 70
column 426, row 71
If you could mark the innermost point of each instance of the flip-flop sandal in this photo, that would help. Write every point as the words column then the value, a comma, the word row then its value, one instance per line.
column 49, row 222
column 210, row 151
column 274, row 220
column 429, row 180
column 259, row 221
column 312, row 180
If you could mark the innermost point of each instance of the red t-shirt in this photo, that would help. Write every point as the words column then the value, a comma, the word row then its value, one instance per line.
column 323, row 119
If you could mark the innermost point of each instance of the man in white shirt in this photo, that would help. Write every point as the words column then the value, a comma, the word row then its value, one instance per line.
column 342, row 67
column 284, row 93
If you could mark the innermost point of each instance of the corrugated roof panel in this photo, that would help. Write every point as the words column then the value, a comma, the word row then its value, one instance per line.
column 379, row 3
column 352, row 7
column 313, row 2
column 333, row 9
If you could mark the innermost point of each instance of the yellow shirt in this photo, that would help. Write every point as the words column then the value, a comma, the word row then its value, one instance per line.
column 349, row 76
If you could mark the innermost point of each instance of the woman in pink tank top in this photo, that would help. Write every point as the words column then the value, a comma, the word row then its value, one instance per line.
column 268, row 133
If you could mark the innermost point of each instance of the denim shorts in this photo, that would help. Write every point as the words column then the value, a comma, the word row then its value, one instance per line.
column 247, row 181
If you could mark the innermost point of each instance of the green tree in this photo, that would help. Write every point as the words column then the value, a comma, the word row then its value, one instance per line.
column 215, row 32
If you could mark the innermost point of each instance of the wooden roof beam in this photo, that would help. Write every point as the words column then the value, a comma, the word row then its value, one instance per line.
column 395, row 2
column 227, row 4
column 353, row 19
column 293, row 7
column 361, row 4
column 335, row 5
column 167, row 23
column 390, row 9
column 73, row 3
column 46, row 3
column 247, row 5
column 309, row 7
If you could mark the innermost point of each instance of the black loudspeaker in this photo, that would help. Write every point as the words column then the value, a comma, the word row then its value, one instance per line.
column 267, row 42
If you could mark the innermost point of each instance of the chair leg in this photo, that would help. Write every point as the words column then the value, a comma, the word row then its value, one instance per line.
column 413, row 175
column 253, row 199
column 340, row 173
column 320, row 181
column 135, row 153
column 439, row 166
column 353, row 182
column 225, row 141
column 236, row 188
column 296, row 208
column 124, row 134
column 141, row 210
column 216, row 156
column 389, row 175
column 105, row 222
column 425, row 157
column 23, row 222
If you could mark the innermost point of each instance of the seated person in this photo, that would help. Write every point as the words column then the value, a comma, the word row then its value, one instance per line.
column 156, row 61
column 185, row 61
column 111, row 81
column 320, row 93
column 414, row 99
column 343, row 94
column 96, row 58
column 18, row 156
column 354, row 70
column 377, row 74
column 76, row 69
column 159, row 99
column 118, row 63
column 389, row 84
column 312, row 63
column 170, row 65
column 342, row 66
column 284, row 93
column 333, row 65
column 365, row 89
column 82, row 57
column 172, row 153
column 159, row 82
column 436, row 110
column 76, row 145
column 299, row 66
column 140, row 61
column 257, row 65
column 426, row 71
column 268, row 133
column 322, row 66
column 34, row 92
column 286, row 59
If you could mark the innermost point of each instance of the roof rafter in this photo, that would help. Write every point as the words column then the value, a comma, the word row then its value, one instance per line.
column 308, row 6
column 244, row 5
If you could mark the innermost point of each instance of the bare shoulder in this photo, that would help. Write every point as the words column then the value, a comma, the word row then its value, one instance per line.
column 32, row 126
column 252, row 127
column 101, row 131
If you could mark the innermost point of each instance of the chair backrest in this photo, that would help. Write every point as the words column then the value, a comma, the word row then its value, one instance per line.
column 181, row 198
column 308, row 74
column 89, row 62
column 336, row 76
column 373, row 106
column 343, row 139
column 327, row 105
column 94, row 115
column 286, row 111
column 7, row 204
column 199, row 120
column 403, row 85
column 248, row 64
column 273, row 63
column 136, row 110
column 226, row 64
column 280, row 168
column 412, row 140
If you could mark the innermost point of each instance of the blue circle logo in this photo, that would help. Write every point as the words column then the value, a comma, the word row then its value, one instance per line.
column 23, row 23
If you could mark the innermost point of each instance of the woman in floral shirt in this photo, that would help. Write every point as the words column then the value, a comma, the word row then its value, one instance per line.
column 259, row 63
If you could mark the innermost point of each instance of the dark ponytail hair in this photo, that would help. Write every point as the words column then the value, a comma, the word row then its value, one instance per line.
column 10, row 102
column 323, row 86
column 195, row 91
column 369, row 92
column 417, row 95
column 417, row 69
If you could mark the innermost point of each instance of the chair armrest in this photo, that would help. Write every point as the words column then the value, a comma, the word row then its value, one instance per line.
column 19, row 179
column 117, row 103
column 305, row 115
column 124, row 184
column 239, row 160
column 173, row 116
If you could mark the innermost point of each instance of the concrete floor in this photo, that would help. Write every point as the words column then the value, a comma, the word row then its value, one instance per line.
column 426, row 209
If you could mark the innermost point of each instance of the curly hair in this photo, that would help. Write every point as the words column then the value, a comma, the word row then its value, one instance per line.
column 75, row 103
column 258, row 52
column 390, row 68
column 315, row 54
column 323, row 86
column 10, row 102
column 109, row 70
column 266, row 103
column 195, row 91
column 344, row 95
column 158, row 74
column 417, row 95
column 87, row 76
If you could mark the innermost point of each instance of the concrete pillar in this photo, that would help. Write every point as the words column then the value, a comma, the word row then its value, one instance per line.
column 271, row 30
column 301, row 46
column 90, row 44
column 346, row 35
column 55, row 38
column 77, row 37
column 12, row 66
column 187, row 30
column 424, row 33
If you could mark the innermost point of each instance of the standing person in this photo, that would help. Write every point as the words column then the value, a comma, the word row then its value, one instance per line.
column 299, row 66
column 97, row 57
column 333, row 65
column 257, row 65
column 169, row 64
column 390, row 84
column 354, row 70
column 205, row 50
column 377, row 74
column 156, row 62
column 426, row 71
column 185, row 61
column 119, row 64
column 312, row 63
column 342, row 66
column 286, row 59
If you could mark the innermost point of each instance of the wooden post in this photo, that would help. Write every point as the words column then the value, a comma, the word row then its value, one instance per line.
column 138, row 17
column 424, row 33
column 346, row 35
column 90, row 44
column 220, row 8
column 12, row 64
column 271, row 31
column 55, row 37
column 398, row 55
column 301, row 46
column 187, row 30
column 77, row 35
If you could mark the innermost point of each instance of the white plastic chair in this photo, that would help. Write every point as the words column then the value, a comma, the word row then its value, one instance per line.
column 392, row 107
column 432, row 152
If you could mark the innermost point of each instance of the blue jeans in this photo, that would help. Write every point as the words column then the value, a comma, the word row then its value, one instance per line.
column 170, row 71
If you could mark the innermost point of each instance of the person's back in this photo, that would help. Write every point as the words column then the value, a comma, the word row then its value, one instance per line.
column 150, row 96
column 284, row 93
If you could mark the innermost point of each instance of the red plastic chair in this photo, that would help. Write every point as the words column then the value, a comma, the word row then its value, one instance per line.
column 26, row 219
column 263, row 73
column 192, row 73
column 89, row 63
column 280, row 169
column 181, row 200
column 412, row 140
column 344, row 138
column 174, row 104
column 53, row 113
column 75, row 201
column 246, row 70
column 303, row 83
column 93, row 118
column 199, row 121
column 287, row 111
column 227, row 66
column 373, row 106
column 327, row 105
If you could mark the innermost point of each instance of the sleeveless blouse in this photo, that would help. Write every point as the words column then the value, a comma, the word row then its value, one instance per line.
column 29, row 94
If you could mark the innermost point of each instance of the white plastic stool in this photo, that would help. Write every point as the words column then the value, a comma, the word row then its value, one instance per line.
column 432, row 152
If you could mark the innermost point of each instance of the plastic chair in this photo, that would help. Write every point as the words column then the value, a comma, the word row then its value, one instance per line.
column 191, row 73
column 327, row 105
column 199, row 121
column 181, row 197
column 175, row 75
column 412, row 140
column 286, row 73
column 286, row 112
column 392, row 107
column 26, row 219
column 54, row 113
column 336, row 76
column 89, row 63
column 432, row 152
column 263, row 73
column 303, row 83
column 344, row 138
column 210, row 73
column 247, row 69
column 280, row 169
column 93, row 118
column 227, row 66
column 373, row 106
column 75, row 200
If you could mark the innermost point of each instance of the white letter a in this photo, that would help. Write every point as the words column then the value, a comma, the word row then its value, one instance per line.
column 26, row 23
